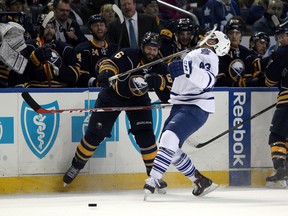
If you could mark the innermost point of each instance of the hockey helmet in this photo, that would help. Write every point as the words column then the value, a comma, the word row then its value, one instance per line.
column 151, row 39
column 222, row 47
column 235, row 24
column 184, row 24
column 43, row 20
column 95, row 18
column 282, row 28
column 259, row 36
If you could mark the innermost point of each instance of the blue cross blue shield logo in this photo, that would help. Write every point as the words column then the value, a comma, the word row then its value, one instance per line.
column 39, row 130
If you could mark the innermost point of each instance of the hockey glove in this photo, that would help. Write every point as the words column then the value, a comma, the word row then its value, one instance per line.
column 103, row 78
column 41, row 55
column 176, row 68
column 155, row 81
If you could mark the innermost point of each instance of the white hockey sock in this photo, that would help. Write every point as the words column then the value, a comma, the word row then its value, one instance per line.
column 184, row 164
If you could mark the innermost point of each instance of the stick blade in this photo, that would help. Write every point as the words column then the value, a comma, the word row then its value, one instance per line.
column 117, row 10
column 32, row 103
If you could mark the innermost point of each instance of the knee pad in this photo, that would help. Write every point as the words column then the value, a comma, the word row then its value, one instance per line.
column 169, row 140
column 92, row 138
column 144, row 138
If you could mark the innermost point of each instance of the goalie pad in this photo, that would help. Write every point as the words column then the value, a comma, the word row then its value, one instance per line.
column 12, row 42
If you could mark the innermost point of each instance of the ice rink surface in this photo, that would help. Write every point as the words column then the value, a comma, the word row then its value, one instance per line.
column 232, row 201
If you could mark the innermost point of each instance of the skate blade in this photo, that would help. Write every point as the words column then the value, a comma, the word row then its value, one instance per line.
column 211, row 188
column 146, row 194
column 161, row 190
column 277, row 184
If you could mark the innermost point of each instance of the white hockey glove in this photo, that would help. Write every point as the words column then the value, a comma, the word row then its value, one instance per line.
column 12, row 42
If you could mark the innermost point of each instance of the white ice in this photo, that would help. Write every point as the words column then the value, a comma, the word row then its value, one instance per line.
column 230, row 201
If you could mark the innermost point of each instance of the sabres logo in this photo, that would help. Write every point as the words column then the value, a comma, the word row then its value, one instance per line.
column 236, row 69
column 137, row 85
column 39, row 130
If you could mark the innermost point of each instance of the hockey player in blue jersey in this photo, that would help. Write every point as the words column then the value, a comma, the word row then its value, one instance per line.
column 276, row 75
column 90, row 53
column 194, row 78
column 126, row 91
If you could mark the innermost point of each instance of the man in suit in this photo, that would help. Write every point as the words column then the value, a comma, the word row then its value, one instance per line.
column 122, row 34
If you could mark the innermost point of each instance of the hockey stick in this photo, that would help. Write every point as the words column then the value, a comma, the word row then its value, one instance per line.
column 148, row 65
column 119, row 13
column 200, row 145
column 37, row 108
column 193, row 16
column 158, row 61
column 47, row 70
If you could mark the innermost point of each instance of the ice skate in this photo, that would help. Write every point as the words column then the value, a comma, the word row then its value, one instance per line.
column 278, row 179
column 152, row 184
column 70, row 175
column 203, row 185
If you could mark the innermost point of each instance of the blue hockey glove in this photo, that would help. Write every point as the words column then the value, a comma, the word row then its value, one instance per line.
column 103, row 78
column 155, row 81
column 176, row 68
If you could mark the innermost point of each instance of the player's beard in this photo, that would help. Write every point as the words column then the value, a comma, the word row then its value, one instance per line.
column 149, row 57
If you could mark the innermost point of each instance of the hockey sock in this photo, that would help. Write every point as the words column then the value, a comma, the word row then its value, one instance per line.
column 148, row 155
column 169, row 144
column 184, row 164
column 161, row 163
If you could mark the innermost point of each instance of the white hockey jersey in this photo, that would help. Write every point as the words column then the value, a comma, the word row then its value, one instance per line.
column 194, row 86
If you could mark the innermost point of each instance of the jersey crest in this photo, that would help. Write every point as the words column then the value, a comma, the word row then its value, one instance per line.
column 137, row 85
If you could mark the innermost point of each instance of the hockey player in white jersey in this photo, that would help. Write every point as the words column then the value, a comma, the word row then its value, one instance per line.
column 193, row 101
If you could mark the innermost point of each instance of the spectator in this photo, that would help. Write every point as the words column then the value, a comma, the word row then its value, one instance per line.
column 108, row 13
column 151, row 7
column 52, row 63
column 67, row 29
column 256, row 11
column 219, row 12
column 19, row 6
column 265, row 23
column 122, row 34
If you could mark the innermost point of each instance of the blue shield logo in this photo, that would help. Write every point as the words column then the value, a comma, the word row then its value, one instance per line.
column 39, row 130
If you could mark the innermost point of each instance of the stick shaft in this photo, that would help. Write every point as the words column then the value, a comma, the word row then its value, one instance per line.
column 200, row 145
column 37, row 108
column 148, row 64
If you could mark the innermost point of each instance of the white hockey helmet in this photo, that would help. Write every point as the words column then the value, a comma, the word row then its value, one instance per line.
column 223, row 46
